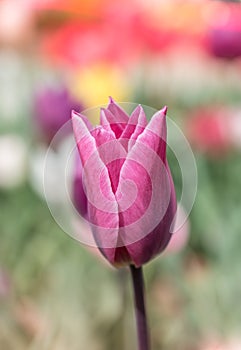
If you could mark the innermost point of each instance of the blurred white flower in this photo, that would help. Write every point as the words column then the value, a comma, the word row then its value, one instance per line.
column 13, row 161
column 48, row 172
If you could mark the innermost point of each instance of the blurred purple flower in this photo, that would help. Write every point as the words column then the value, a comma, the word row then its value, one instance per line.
column 224, row 36
column 225, row 43
column 52, row 109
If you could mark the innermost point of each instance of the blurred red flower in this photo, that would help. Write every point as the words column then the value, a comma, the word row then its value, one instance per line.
column 111, row 34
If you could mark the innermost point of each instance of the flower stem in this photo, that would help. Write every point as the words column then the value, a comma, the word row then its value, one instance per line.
column 141, row 320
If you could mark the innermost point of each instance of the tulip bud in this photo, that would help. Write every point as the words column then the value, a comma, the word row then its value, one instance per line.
column 128, row 188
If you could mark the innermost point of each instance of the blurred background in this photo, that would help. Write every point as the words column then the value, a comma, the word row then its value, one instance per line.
column 58, row 55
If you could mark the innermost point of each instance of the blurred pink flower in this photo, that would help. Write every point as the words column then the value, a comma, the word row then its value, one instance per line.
column 207, row 130
column 129, row 193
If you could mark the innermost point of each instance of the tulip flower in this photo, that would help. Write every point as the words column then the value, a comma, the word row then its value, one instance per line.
column 128, row 186
column 125, row 190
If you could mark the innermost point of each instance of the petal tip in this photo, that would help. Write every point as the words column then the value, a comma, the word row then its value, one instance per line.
column 164, row 110
column 74, row 114
column 78, row 117
column 111, row 100
column 139, row 107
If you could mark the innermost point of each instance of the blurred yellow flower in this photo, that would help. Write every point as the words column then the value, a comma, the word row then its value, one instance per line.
column 94, row 83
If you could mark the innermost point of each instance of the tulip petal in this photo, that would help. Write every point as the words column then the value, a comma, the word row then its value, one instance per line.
column 156, row 132
column 110, row 122
column 156, row 241
column 112, row 153
column 84, row 118
column 79, row 195
column 119, row 113
column 116, row 117
column 137, row 119
column 104, row 122
column 138, row 115
column 145, row 208
column 102, row 205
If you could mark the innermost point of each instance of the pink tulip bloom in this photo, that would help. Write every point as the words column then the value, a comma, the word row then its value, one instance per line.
column 126, row 183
